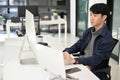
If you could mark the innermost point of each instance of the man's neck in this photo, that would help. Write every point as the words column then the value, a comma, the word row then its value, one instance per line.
column 99, row 27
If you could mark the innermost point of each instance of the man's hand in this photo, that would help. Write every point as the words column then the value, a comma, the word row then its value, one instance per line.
column 68, row 57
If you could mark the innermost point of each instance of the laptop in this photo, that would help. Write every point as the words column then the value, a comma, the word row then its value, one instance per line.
column 49, row 59
column 45, row 16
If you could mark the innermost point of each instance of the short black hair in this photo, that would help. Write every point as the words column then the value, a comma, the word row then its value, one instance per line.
column 100, row 8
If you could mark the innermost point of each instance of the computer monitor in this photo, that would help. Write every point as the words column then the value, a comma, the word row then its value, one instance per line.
column 30, row 28
column 49, row 59
column 32, row 9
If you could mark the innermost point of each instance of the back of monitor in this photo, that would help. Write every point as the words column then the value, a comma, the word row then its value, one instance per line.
column 30, row 28
column 49, row 59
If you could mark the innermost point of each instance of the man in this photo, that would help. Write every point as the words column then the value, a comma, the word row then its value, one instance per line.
column 96, row 43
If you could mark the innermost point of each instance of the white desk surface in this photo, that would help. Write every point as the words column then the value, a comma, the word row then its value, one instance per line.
column 14, row 71
column 53, row 21
column 44, row 22
column 84, row 74
column 9, row 24
column 11, row 49
column 59, row 22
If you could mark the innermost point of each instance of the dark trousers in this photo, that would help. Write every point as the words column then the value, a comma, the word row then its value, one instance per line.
column 102, row 76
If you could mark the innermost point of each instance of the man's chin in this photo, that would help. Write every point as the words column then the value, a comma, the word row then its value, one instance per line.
column 93, row 25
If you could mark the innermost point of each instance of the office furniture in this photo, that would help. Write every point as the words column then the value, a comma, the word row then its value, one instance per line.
column 45, row 22
column 84, row 74
column 59, row 22
column 108, row 68
column 16, row 71
column 13, row 70
column 11, row 49
column 11, row 24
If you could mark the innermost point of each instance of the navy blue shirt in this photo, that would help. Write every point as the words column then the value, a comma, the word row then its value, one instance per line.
column 102, row 47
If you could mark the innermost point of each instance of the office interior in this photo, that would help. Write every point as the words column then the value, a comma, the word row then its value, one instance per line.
column 74, row 12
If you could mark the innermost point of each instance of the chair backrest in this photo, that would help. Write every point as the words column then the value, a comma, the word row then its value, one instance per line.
column 115, row 42
column 107, row 69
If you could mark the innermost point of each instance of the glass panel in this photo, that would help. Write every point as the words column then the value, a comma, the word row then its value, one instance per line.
column 39, row 2
column 17, row 2
column 61, row 2
column 116, row 23
column 3, row 2
column 3, row 10
column 14, row 12
column 82, row 16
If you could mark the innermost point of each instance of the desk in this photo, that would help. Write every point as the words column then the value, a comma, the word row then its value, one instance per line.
column 84, row 74
column 45, row 22
column 9, row 24
column 15, row 71
column 59, row 22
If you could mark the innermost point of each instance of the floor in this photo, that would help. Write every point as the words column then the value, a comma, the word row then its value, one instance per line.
column 54, row 42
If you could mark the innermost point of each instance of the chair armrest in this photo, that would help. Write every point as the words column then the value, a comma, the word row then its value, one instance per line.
column 105, row 70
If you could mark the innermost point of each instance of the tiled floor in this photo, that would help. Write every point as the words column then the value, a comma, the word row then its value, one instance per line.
column 59, row 44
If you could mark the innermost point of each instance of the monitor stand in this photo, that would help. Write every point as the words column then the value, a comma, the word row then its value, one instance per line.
column 26, row 55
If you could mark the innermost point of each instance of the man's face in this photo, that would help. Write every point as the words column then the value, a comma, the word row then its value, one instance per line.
column 97, row 19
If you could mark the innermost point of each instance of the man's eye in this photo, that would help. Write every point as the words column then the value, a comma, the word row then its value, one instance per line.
column 95, row 15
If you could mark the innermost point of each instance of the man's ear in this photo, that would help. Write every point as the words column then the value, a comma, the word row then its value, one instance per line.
column 104, row 17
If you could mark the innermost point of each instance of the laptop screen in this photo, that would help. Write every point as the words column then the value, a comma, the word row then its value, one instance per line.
column 45, row 16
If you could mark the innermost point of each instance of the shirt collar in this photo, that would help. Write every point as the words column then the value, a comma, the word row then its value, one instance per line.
column 101, row 31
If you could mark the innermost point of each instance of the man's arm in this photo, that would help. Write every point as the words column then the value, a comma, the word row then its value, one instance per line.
column 74, row 48
column 103, row 52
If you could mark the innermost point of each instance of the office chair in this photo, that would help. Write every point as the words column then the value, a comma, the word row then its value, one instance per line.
column 106, row 69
